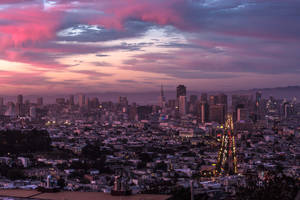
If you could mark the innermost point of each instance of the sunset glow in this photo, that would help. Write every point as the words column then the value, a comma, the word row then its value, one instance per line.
column 137, row 45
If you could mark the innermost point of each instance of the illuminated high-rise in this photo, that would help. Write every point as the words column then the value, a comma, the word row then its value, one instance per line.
column 32, row 112
column 180, row 91
column 182, row 105
column 217, row 108
column 71, row 100
column 123, row 101
column 11, row 109
column 20, row 99
column 193, row 99
column 257, row 105
column 203, row 97
column 1, row 102
column 19, row 105
column 81, row 100
column 162, row 100
column 40, row 101
column 212, row 100
column 217, row 113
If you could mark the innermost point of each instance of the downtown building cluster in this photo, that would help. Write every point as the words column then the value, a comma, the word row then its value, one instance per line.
column 156, row 148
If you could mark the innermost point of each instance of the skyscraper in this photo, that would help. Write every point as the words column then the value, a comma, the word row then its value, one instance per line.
column 212, row 100
column 32, row 112
column 60, row 101
column 286, row 108
column 244, row 103
column 217, row 108
column 193, row 99
column 257, row 105
column 242, row 114
column 95, row 102
column 71, row 100
column 202, row 111
column 20, row 99
column 162, row 100
column 258, row 96
column 1, row 102
column 204, row 97
column 123, row 101
column 182, row 105
column 11, row 109
column 40, row 101
column 19, row 105
column 217, row 113
column 81, row 100
column 221, row 99
column 192, row 104
column 181, row 91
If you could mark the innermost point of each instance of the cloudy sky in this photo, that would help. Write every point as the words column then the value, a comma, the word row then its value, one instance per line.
column 66, row 46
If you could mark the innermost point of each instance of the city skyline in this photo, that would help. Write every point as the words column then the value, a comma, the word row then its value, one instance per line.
column 135, row 46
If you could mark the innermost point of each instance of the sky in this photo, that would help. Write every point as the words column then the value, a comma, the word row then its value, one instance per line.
column 66, row 46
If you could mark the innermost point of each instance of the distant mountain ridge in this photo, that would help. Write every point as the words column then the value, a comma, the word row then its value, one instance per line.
column 153, row 97
column 288, row 92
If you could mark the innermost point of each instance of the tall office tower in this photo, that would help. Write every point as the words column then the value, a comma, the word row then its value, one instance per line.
column 257, row 105
column 217, row 108
column 180, row 91
column 71, row 100
column 162, row 100
column 217, row 113
column 88, row 103
column 172, row 104
column 218, row 99
column 245, row 102
column 242, row 114
column 1, row 102
column 40, row 101
column 143, row 112
column 32, row 112
column 182, row 105
column 192, row 104
column 193, row 99
column 258, row 96
column 95, row 103
column 227, row 161
column 20, row 99
column 132, row 112
column 81, row 100
column 203, row 111
column 1, row 105
column 204, row 97
column 286, row 109
column 60, row 101
column 212, row 100
column 19, row 105
column 11, row 109
column 27, row 102
column 221, row 99
column 123, row 101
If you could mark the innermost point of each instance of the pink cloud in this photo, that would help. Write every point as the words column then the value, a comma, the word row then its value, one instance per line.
column 27, row 25
column 252, row 35
column 118, row 11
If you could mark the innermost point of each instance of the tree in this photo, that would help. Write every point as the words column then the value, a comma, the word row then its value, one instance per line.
column 275, row 186
column 91, row 151
column 61, row 183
